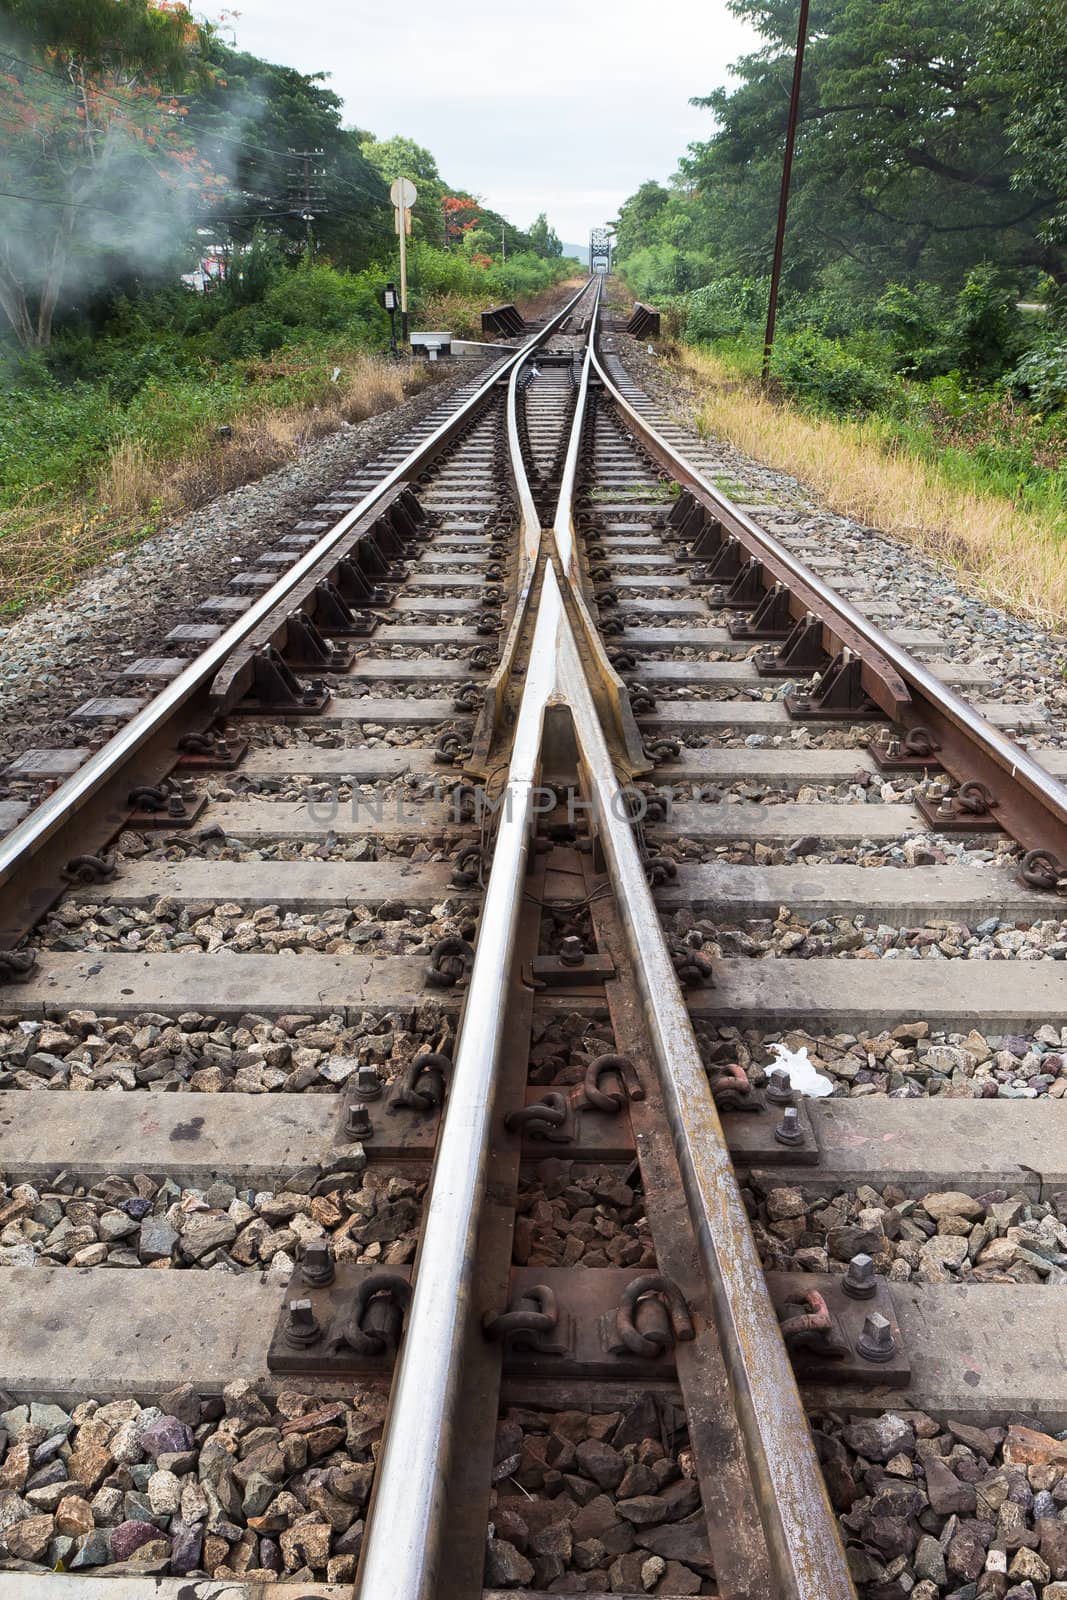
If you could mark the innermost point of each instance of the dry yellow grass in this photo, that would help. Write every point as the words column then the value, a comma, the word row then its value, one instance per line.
column 1015, row 558
column 42, row 551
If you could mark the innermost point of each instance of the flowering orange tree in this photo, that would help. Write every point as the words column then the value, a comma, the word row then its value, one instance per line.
column 462, row 214
column 100, row 178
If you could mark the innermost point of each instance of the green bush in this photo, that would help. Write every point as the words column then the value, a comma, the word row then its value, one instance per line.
column 246, row 334
column 51, row 435
column 659, row 271
column 914, row 324
column 986, row 331
column 725, row 308
column 320, row 299
column 1041, row 378
column 820, row 373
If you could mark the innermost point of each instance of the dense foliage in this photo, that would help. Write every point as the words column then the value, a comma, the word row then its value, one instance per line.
column 135, row 145
column 927, row 242
column 931, row 139
column 133, row 140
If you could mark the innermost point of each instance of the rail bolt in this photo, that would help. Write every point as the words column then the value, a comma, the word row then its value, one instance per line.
column 779, row 1090
column 368, row 1085
column 876, row 1342
column 358, row 1123
column 789, row 1130
column 572, row 951
column 301, row 1325
column 316, row 1263
column 859, row 1281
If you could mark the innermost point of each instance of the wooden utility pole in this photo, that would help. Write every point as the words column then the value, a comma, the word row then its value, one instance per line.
column 783, row 198
column 306, row 191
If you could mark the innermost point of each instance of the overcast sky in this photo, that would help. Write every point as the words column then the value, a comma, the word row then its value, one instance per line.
column 561, row 107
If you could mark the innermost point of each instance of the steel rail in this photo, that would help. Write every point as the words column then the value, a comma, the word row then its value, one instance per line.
column 803, row 1542
column 31, row 834
column 400, row 1554
column 563, row 525
column 495, row 695
column 1002, row 753
column 615, row 697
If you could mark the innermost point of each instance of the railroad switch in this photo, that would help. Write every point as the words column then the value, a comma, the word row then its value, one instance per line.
column 566, row 1323
column 801, row 653
column 163, row 806
column 569, row 1323
column 210, row 752
column 277, row 689
column 771, row 619
column 557, row 972
column 333, row 1323
column 550, row 1119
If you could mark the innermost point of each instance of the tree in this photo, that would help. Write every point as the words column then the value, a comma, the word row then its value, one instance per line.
column 403, row 158
column 544, row 241
column 462, row 215
column 906, row 165
column 249, row 118
column 637, row 224
column 400, row 158
column 103, row 177
column 1027, row 41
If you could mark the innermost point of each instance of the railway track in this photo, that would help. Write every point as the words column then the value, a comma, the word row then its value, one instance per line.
column 431, row 1218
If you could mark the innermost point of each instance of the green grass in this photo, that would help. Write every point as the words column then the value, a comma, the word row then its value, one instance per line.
column 642, row 493
column 978, row 438
column 117, row 428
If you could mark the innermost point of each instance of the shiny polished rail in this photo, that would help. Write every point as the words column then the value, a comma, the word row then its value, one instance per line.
column 402, row 1545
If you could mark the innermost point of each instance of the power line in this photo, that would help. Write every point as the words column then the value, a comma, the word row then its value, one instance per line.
column 87, row 205
column 69, row 205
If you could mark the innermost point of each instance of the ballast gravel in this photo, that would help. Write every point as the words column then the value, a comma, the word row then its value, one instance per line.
column 580, row 1216
column 139, row 1222
column 942, row 1237
column 947, row 1510
column 196, row 1053
column 602, row 1502
column 229, row 1487
column 859, row 938
column 911, row 1062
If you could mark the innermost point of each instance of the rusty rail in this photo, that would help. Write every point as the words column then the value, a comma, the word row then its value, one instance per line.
column 1026, row 800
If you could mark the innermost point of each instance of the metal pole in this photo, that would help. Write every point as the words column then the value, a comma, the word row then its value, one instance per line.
column 403, row 215
column 783, row 198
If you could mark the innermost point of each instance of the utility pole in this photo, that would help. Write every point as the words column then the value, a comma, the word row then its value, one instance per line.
column 783, row 198
column 503, row 250
column 306, row 194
